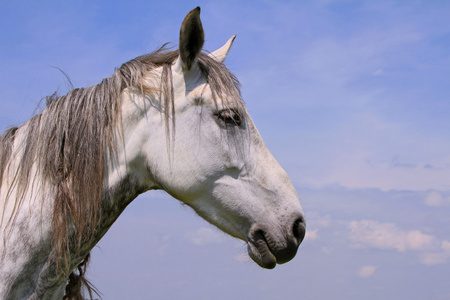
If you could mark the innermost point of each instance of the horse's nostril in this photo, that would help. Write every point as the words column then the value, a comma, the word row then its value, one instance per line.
column 299, row 229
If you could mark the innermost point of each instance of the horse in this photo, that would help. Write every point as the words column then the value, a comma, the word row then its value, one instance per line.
column 171, row 120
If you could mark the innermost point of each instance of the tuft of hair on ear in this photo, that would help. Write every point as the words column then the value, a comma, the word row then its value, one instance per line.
column 192, row 38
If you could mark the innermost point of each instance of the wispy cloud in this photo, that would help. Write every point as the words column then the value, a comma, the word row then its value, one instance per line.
column 312, row 234
column 367, row 271
column 204, row 236
column 368, row 233
column 387, row 236
column 242, row 257
column 435, row 198
column 439, row 256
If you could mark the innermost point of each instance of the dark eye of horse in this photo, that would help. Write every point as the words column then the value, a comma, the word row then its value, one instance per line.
column 230, row 116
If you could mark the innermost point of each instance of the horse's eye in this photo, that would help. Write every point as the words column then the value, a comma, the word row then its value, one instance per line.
column 230, row 116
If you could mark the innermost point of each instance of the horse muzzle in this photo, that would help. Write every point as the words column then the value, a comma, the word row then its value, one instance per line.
column 268, row 250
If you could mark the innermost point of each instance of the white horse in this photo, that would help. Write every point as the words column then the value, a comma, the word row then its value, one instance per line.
column 170, row 120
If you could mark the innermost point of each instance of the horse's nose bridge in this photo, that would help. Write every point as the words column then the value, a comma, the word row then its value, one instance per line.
column 271, row 175
column 277, row 194
column 282, row 214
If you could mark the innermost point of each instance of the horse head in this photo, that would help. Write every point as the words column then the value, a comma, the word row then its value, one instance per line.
column 193, row 137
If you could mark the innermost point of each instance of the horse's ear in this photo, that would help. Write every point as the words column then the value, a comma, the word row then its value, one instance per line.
column 192, row 38
column 221, row 53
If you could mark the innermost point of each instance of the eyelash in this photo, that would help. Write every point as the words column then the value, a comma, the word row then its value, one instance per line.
column 229, row 116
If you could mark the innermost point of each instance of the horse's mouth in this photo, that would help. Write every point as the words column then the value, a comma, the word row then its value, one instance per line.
column 260, row 252
column 267, row 253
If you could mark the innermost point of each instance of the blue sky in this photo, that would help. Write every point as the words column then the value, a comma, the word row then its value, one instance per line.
column 352, row 97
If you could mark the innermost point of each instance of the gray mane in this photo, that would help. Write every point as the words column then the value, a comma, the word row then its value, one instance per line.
column 69, row 140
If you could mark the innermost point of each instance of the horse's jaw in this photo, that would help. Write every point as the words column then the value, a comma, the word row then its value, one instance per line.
column 272, row 238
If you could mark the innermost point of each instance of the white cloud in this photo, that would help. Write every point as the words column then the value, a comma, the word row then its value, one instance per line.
column 316, row 220
column 326, row 250
column 204, row 236
column 433, row 258
column 446, row 246
column 324, row 221
column 434, row 198
column 311, row 234
column 440, row 256
column 243, row 257
column 369, row 233
column 366, row 271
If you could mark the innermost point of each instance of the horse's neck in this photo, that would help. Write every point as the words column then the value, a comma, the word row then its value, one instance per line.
column 25, row 227
column 25, row 239
column 124, row 179
column 116, row 198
